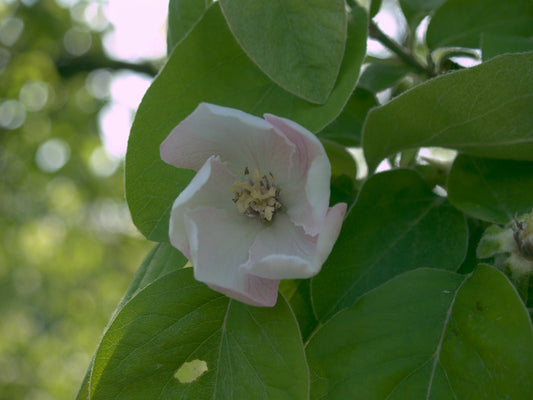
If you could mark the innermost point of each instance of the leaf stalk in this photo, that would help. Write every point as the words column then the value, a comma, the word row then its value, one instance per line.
column 376, row 33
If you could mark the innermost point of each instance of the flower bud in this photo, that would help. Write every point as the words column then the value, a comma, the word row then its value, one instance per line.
column 523, row 236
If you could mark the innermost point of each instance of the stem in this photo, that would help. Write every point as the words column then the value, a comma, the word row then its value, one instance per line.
column 376, row 33
column 68, row 66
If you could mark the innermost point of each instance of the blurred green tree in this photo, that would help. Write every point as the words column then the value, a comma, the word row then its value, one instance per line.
column 67, row 246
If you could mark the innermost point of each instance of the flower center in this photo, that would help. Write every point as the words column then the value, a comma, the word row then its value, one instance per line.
column 257, row 196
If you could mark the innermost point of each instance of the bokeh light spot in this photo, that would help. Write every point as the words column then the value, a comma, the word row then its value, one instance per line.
column 67, row 3
column 101, row 164
column 12, row 114
column 34, row 95
column 64, row 197
column 52, row 155
column 40, row 239
column 109, row 216
column 98, row 83
column 94, row 17
column 10, row 30
column 77, row 41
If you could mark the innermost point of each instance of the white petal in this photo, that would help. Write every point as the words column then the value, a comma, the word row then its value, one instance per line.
column 240, row 139
column 283, row 251
column 307, row 195
column 210, row 187
column 331, row 228
column 219, row 244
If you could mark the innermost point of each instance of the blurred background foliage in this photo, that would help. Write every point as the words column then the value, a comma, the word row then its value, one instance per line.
column 67, row 246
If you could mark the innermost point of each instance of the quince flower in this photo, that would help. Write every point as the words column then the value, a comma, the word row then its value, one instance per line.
column 257, row 210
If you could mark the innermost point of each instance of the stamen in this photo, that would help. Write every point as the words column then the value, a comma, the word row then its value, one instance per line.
column 258, row 197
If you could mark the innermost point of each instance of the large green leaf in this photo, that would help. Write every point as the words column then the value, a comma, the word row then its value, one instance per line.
column 382, row 74
column 298, row 295
column 462, row 22
column 396, row 224
column 343, row 173
column 427, row 334
column 346, row 129
column 342, row 161
column 162, row 259
column 491, row 190
column 176, row 325
column 493, row 45
column 375, row 5
column 299, row 44
column 182, row 16
column 416, row 10
column 484, row 111
column 208, row 65
column 422, row 5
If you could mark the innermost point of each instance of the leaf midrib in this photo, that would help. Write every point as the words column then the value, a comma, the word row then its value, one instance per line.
column 443, row 334
column 434, row 203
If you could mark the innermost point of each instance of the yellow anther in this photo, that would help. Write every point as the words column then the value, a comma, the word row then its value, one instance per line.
column 258, row 196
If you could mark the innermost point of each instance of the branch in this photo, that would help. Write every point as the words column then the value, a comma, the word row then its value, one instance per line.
column 68, row 66
column 376, row 33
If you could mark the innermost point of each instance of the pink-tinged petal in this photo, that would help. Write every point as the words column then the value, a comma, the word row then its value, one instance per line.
column 332, row 225
column 265, row 291
column 210, row 187
column 283, row 251
column 219, row 242
column 310, row 175
column 308, row 146
column 240, row 139
column 307, row 200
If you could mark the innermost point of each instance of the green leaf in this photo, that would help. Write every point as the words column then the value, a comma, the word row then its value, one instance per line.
column 416, row 10
column 484, row 111
column 381, row 75
column 216, row 71
column 162, row 259
column 396, row 224
column 424, row 6
column 491, row 190
column 298, row 295
column 476, row 228
column 182, row 16
column 346, row 129
column 299, row 44
column 343, row 190
column 342, row 162
column 375, row 6
column 176, row 338
column 460, row 23
column 493, row 45
column 427, row 334
column 343, row 172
